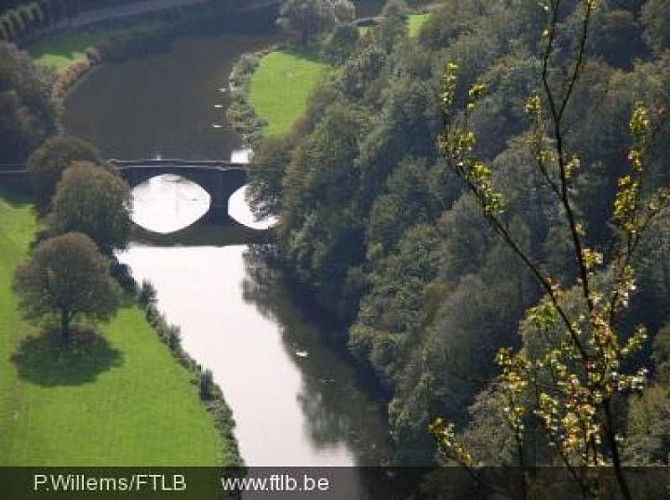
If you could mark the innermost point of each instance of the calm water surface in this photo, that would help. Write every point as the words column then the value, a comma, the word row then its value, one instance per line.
column 296, row 398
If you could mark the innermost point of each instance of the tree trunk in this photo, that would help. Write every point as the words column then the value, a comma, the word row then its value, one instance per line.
column 65, row 324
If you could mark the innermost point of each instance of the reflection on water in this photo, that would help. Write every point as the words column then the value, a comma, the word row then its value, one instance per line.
column 163, row 103
column 240, row 211
column 332, row 399
column 166, row 203
column 295, row 399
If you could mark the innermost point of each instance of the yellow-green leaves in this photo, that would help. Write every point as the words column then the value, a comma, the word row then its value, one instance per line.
column 445, row 434
column 457, row 142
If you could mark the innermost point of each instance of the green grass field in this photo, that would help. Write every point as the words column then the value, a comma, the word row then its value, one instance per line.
column 117, row 399
column 60, row 49
column 281, row 86
column 415, row 22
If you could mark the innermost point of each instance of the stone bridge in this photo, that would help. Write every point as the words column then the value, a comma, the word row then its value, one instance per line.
column 219, row 178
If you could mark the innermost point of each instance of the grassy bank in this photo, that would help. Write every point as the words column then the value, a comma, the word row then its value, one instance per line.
column 281, row 86
column 415, row 22
column 119, row 399
column 61, row 49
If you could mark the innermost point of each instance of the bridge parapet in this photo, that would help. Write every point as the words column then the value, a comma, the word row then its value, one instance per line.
column 219, row 178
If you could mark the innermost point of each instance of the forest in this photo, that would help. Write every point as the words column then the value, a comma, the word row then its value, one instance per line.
column 463, row 200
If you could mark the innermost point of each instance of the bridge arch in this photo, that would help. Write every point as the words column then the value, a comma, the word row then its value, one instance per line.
column 219, row 179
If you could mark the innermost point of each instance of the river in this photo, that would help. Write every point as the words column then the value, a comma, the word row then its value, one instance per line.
column 296, row 396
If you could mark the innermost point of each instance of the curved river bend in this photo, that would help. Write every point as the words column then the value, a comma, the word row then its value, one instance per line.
column 296, row 399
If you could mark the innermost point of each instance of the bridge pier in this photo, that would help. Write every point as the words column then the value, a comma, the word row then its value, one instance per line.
column 219, row 179
column 218, row 215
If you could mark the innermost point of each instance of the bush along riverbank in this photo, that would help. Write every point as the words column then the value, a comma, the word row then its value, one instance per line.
column 210, row 393
column 271, row 89
column 112, row 395
column 241, row 113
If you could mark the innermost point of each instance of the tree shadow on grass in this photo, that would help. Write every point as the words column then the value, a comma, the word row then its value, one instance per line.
column 49, row 360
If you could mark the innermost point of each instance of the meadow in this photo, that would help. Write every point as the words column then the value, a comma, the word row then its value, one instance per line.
column 116, row 397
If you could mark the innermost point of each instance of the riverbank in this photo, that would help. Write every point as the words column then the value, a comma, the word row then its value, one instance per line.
column 127, row 31
column 271, row 88
column 118, row 399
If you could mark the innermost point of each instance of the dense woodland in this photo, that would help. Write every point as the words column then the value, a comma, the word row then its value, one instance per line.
column 394, row 245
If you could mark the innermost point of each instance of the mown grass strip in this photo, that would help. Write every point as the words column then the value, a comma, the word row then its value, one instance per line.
column 281, row 86
column 118, row 400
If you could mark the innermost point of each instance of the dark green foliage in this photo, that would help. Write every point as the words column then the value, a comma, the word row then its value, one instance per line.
column 321, row 242
column 266, row 174
column 147, row 295
column 48, row 162
column 307, row 19
column 617, row 37
column 123, row 274
column 649, row 427
column 361, row 71
column 206, row 385
column 656, row 20
column 376, row 226
column 66, row 278
column 92, row 200
column 661, row 355
column 341, row 43
column 27, row 113
column 410, row 198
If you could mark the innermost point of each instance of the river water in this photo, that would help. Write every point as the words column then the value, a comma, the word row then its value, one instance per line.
column 296, row 397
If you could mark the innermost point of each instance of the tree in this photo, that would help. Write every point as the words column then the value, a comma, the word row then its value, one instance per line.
column 577, row 363
column 94, row 201
column 657, row 22
column 48, row 162
column 307, row 19
column 66, row 278
column 27, row 113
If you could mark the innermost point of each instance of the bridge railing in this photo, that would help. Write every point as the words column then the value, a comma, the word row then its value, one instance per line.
column 168, row 161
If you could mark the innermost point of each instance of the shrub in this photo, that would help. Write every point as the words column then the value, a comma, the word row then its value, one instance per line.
column 206, row 385
column 147, row 296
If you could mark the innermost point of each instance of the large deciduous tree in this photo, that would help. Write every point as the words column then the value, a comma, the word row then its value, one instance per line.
column 306, row 19
column 48, row 162
column 66, row 278
column 27, row 113
column 94, row 201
